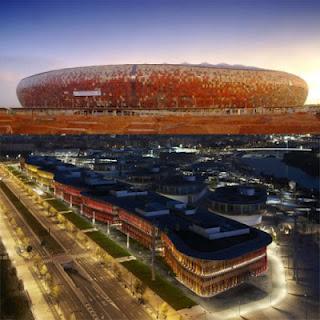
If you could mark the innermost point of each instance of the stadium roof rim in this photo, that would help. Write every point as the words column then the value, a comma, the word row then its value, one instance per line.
column 218, row 66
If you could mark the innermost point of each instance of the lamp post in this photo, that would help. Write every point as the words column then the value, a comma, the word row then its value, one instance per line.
column 306, row 307
column 93, row 217
column 128, row 240
column 153, row 252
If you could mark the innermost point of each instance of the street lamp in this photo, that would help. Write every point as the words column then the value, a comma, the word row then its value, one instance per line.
column 306, row 307
column 128, row 240
column 93, row 217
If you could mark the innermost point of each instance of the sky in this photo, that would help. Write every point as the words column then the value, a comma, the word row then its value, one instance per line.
column 41, row 35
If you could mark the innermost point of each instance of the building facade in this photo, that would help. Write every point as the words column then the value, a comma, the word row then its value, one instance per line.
column 209, row 277
column 207, row 252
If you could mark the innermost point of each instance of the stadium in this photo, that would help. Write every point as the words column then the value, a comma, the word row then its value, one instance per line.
column 162, row 87
column 161, row 99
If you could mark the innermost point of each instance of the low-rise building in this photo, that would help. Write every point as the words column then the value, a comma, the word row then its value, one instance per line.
column 243, row 203
column 182, row 188
column 207, row 252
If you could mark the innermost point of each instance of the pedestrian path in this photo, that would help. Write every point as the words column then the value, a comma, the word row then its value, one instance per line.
column 40, row 308
column 89, row 230
column 127, row 258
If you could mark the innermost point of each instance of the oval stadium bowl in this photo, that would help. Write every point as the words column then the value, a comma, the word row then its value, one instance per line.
column 161, row 99
column 162, row 87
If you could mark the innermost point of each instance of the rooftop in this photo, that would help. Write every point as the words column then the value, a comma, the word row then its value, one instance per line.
column 49, row 164
column 196, row 233
column 239, row 194
column 67, row 173
column 232, row 239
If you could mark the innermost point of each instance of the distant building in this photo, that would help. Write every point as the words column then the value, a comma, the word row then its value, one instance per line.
column 42, row 169
column 146, row 177
column 15, row 148
column 243, row 203
column 182, row 188
column 69, row 185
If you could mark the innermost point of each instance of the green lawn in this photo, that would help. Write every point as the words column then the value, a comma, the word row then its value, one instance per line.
column 15, row 171
column 31, row 183
column 78, row 221
column 107, row 244
column 48, row 241
column 59, row 205
column 21, row 176
column 47, row 195
column 164, row 289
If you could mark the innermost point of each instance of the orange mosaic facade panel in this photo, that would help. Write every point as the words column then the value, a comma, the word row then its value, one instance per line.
column 161, row 87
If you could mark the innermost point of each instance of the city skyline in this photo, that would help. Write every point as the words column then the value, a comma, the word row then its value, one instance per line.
column 42, row 36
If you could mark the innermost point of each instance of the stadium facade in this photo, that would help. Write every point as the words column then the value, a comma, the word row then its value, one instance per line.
column 162, row 87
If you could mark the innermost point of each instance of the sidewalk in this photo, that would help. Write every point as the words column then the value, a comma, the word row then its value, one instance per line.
column 40, row 308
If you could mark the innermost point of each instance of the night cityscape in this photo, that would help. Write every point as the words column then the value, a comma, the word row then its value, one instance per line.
column 143, row 177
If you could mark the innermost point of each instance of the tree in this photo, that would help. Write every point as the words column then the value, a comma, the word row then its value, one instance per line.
column 80, row 236
column 25, row 241
column 99, row 252
column 164, row 309
column 48, row 279
column 70, row 227
column 117, row 271
column 43, row 269
column 55, row 291
column 20, row 232
column 139, row 287
column 107, row 260
column 61, row 218
column 73, row 316
column 37, row 259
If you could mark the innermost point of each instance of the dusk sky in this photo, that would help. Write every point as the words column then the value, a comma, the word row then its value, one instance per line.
column 41, row 35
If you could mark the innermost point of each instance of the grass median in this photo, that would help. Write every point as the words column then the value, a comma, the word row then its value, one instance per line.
column 47, row 240
column 21, row 176
column 164, row 289
column 78, row 221
column 107, row 244
column 14, row 171
column 59, row 205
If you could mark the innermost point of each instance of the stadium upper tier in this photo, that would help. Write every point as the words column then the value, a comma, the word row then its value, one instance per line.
column 162, row 87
